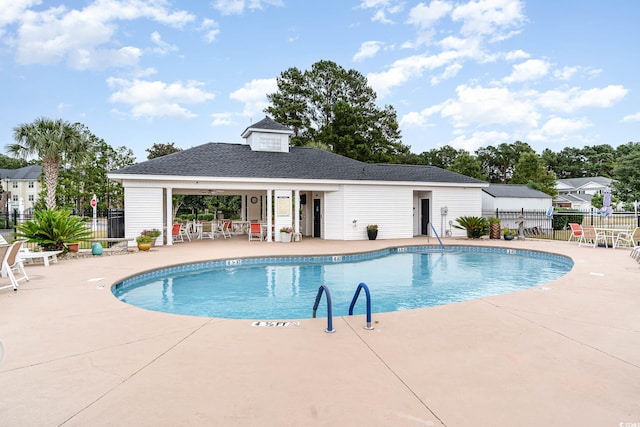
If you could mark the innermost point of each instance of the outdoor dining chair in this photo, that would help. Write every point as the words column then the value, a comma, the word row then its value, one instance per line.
column 576, row 231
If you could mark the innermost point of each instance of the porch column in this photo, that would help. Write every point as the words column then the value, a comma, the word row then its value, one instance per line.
column 269, row 215
column 169, row 215
column 296, row 212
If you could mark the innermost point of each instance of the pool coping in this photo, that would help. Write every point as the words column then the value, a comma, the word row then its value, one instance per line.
column 565, row 353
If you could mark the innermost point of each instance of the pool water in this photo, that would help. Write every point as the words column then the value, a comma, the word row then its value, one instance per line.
column 285, row 288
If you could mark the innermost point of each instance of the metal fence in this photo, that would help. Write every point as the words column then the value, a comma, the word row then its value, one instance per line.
column 111, row 226
column 552, row 225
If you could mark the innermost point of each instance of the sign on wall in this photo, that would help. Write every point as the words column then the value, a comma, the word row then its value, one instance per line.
column 283, row 206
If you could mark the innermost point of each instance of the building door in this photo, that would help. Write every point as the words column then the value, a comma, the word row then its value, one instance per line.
column 424, row 217
column 316, row 218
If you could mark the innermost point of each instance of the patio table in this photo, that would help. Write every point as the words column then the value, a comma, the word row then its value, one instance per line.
column 611, row 233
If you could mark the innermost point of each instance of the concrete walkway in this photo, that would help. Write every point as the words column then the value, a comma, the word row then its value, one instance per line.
column 563, row 354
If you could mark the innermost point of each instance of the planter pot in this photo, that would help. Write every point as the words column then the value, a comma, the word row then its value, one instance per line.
column 372, row 234
column 509, row 237
column 494, row 231
column 73, row 247
column 285, row 237
column 96, row 249
column 144, row 246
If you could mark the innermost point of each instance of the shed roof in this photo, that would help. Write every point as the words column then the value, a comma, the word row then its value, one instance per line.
column 520, row 191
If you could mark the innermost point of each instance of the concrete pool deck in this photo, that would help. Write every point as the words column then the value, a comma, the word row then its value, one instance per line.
column 566, row 353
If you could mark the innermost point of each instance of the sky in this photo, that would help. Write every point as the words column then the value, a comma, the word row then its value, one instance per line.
column 468, row 74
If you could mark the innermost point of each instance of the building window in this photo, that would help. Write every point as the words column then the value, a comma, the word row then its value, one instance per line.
column 15, row 184
column 31, row 197
column 14, row 197
column 31, row 184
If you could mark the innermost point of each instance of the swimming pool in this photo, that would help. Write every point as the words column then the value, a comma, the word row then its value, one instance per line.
column 285, row 287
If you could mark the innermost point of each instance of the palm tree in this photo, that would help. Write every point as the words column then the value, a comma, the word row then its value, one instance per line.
column 53, row 141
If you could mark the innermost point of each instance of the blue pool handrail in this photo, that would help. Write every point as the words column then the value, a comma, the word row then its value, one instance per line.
column 329, row 309
column 368, row 297
column 438, row 237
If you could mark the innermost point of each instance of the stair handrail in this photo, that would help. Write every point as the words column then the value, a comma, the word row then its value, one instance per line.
column 368, row 302
column 437, row 236
column 325, row 289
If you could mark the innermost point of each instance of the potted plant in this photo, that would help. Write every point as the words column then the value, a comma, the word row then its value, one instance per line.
column 508, row 234
column 285, row 234
column 144, row 242
column 154, row 233
column 494, row 228
column 372, row 231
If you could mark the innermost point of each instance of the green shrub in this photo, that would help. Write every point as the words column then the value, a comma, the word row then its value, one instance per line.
column 476, row 226
column 52, row 229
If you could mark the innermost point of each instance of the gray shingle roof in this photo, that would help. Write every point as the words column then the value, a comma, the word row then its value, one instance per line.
column 579, row 182
column 31, row 172
column 267, row 124
column 514, row 190
column 239, row 161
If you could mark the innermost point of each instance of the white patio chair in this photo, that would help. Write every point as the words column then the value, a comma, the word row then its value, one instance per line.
column 175, row 233
column 590, row 236
column 208, row 229
column 12, row 263
column 629, row 238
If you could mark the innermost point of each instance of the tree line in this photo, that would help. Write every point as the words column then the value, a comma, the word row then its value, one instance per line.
column 327, row 107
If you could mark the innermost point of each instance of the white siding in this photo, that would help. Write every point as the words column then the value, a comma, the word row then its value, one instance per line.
column 332, row 214
column 389, row 207
column 459, row 202
column 143, row 210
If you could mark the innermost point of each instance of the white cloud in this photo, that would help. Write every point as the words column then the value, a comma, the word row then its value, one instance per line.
column 632, row 118
column 515, row 55
column 156, row 98
column 12, row 10
column 476, row 140
column 210, row 29
column 490, row 106
column 383, row 8
column 559, row 129
column 424, row 16
column 82, row 37
column 419, row 119
column 237, row 7
column 489, row 17
column 254, row 95
column 403, row 70
column 162, row 47
column 448, row 73
column 533, row 69
column 573, row 99
column 222, row 119
column 367, row 50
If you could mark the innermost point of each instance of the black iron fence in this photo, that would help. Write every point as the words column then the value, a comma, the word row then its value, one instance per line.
column 110, row 226
column 553, row 224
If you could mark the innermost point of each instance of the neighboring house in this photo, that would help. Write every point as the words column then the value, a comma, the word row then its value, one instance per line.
column 22, row 186
column 576, row 193
column 321, row 194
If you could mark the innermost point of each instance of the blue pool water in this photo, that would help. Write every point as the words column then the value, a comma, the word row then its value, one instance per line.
column 285, row 288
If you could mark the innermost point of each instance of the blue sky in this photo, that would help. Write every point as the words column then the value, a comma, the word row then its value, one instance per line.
column 464, row 73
